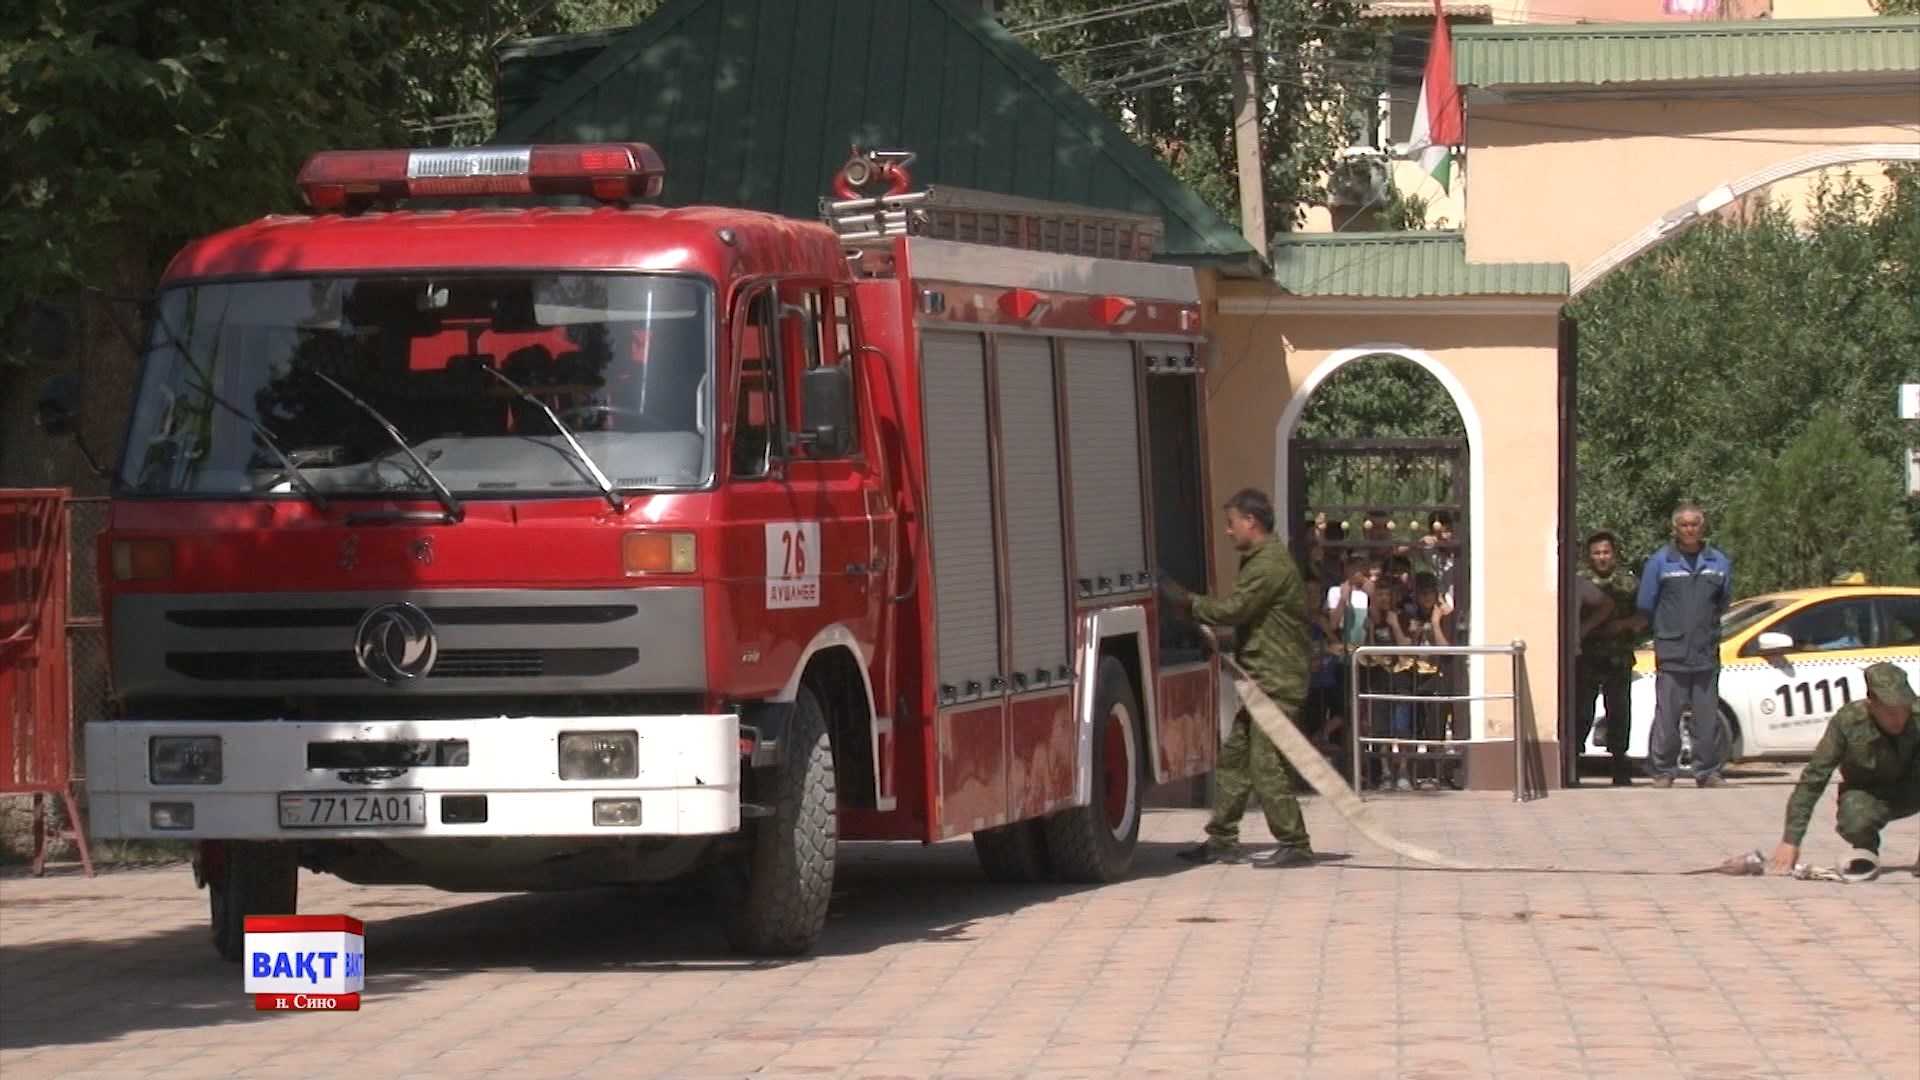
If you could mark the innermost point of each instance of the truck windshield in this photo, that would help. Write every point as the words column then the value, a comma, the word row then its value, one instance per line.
column 623, row 361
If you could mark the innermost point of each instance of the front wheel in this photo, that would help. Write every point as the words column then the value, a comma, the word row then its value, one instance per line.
column 775, row 898
column 255, row 879
column 1093, row 844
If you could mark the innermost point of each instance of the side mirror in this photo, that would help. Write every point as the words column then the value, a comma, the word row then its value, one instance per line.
column 827, row 397
column 1773, row 641
column 58, row 409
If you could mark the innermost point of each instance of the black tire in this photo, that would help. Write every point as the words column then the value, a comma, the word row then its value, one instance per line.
column 774, row 898
column 1014, row 854
column 258, row 879
column 1094, row 844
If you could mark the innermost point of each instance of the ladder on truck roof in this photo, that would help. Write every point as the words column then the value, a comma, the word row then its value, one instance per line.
column 944, row 212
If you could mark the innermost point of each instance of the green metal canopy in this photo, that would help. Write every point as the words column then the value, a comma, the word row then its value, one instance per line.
column 1571, row 57
column 1403, row 265
column 756, row 103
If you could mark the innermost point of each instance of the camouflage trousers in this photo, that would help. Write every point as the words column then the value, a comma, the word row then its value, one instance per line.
column 1865, row 811
column 1250, row 763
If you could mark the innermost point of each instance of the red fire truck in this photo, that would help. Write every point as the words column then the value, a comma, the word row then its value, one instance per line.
column 525, row 547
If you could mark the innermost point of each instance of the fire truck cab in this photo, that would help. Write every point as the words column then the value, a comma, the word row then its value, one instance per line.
column 531, row 547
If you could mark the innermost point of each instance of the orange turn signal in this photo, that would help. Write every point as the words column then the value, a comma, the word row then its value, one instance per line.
column 142, row 560
column 656, row 553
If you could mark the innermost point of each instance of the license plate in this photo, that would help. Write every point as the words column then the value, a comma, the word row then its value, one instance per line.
column 354, row 810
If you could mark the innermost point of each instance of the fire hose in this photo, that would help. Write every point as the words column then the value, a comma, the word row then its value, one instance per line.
column 1312, row 766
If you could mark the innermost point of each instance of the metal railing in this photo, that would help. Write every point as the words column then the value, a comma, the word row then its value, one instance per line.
column 1516, row 651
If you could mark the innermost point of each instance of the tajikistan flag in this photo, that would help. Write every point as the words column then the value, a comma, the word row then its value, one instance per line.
column 1439, row 122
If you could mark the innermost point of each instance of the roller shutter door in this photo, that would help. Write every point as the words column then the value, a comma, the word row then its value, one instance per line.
column 966, row 592
column 1036, row 552
column 1104, row 439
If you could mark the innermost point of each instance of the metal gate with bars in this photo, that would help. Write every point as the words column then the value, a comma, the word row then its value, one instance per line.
column 1385, row 494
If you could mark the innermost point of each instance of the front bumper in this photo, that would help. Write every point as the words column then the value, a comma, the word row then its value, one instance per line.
column 688, row 782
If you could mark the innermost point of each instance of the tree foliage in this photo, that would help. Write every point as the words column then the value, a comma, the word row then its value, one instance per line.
column 129, row 126
column 1165, row 74
column 1706, row 359
column 1826, row 506
column 1380, row 398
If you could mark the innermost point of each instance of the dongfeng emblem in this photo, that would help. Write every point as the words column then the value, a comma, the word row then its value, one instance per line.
column 395, row 642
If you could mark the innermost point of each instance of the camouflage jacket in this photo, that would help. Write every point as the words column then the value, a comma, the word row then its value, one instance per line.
column 1615, row 649
column 1268, row 609
column 1866, row 756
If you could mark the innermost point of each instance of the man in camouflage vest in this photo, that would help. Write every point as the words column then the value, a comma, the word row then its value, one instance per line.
column 1875, row 744
column 1604, row 669
column 1268, row 613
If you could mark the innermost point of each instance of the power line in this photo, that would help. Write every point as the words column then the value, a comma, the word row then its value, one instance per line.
column 1139, row 7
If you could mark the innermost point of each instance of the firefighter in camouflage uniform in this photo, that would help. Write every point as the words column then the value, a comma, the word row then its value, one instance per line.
column 1268, row 613
column 1875, row 746
column 1604, row 669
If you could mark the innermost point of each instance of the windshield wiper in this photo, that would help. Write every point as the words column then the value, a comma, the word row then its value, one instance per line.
column 204, row 386
column 600, row 478
column 455, row 512
column 260, row 430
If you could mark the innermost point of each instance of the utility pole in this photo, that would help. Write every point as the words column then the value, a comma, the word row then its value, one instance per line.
column 1246, row 124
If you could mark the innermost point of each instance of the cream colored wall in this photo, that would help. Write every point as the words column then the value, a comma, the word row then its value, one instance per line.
column 1505, row 364
column 1822, row 9
column 1564, row 180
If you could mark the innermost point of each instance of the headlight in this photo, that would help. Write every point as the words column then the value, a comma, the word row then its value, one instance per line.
column 184, row 759
column 599, row 755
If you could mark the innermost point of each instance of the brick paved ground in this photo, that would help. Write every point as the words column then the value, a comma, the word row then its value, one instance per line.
column 1615, row 966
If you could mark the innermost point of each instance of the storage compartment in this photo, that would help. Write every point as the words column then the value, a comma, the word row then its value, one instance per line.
column 1175, row 469
column 1104, row 439
column 1037, row 595
column 960, row 513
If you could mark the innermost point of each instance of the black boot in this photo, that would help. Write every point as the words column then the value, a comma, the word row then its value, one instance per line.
column 1622, row 771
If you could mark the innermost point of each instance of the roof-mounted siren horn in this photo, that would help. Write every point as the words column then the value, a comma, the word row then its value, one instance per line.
column 858, row 213
column 351, row 180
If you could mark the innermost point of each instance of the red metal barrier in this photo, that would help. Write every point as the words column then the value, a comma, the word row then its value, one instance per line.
column 36, row 716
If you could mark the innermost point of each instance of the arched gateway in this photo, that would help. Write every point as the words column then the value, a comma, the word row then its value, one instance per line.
column 1587, row 145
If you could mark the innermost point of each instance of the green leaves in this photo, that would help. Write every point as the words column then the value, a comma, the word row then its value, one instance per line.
column 146, row 124
column 1164, row 75
column 1713, row 354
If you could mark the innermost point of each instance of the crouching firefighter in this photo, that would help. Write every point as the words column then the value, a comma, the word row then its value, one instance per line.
column 1267, row 612
column 1875, row 743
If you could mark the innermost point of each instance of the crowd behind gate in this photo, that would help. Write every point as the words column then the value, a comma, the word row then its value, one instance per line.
column 1385, row 583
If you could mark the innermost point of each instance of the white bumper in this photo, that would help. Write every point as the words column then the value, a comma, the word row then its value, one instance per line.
column 689, row 782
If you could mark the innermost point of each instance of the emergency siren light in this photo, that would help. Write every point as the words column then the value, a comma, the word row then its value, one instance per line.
column 610, row 172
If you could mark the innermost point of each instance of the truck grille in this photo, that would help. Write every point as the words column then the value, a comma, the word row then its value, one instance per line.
column 507, row 641
column 454, row 663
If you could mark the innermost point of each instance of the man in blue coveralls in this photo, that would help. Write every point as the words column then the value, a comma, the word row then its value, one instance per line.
column 1684, row 590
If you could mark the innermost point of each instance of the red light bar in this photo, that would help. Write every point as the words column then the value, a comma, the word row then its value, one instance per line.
column 611, row 172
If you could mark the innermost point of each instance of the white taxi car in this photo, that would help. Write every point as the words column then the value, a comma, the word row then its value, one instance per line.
column 1788, row 660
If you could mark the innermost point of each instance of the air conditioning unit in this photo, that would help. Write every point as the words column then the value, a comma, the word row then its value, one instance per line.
column 1359, row 177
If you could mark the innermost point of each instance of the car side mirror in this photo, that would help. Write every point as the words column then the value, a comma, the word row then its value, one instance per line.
column 827, row 398
column 57, row 411
column 1773, row 641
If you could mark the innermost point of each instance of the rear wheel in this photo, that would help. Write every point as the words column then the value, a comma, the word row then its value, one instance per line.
column 1014, row 854
column 774, row 899
column 255, row 879
column 1094, row 844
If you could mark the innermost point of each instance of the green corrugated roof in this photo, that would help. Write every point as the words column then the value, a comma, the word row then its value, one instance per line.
column 756, row 103
column 1594, row 55
column 1403, row 265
